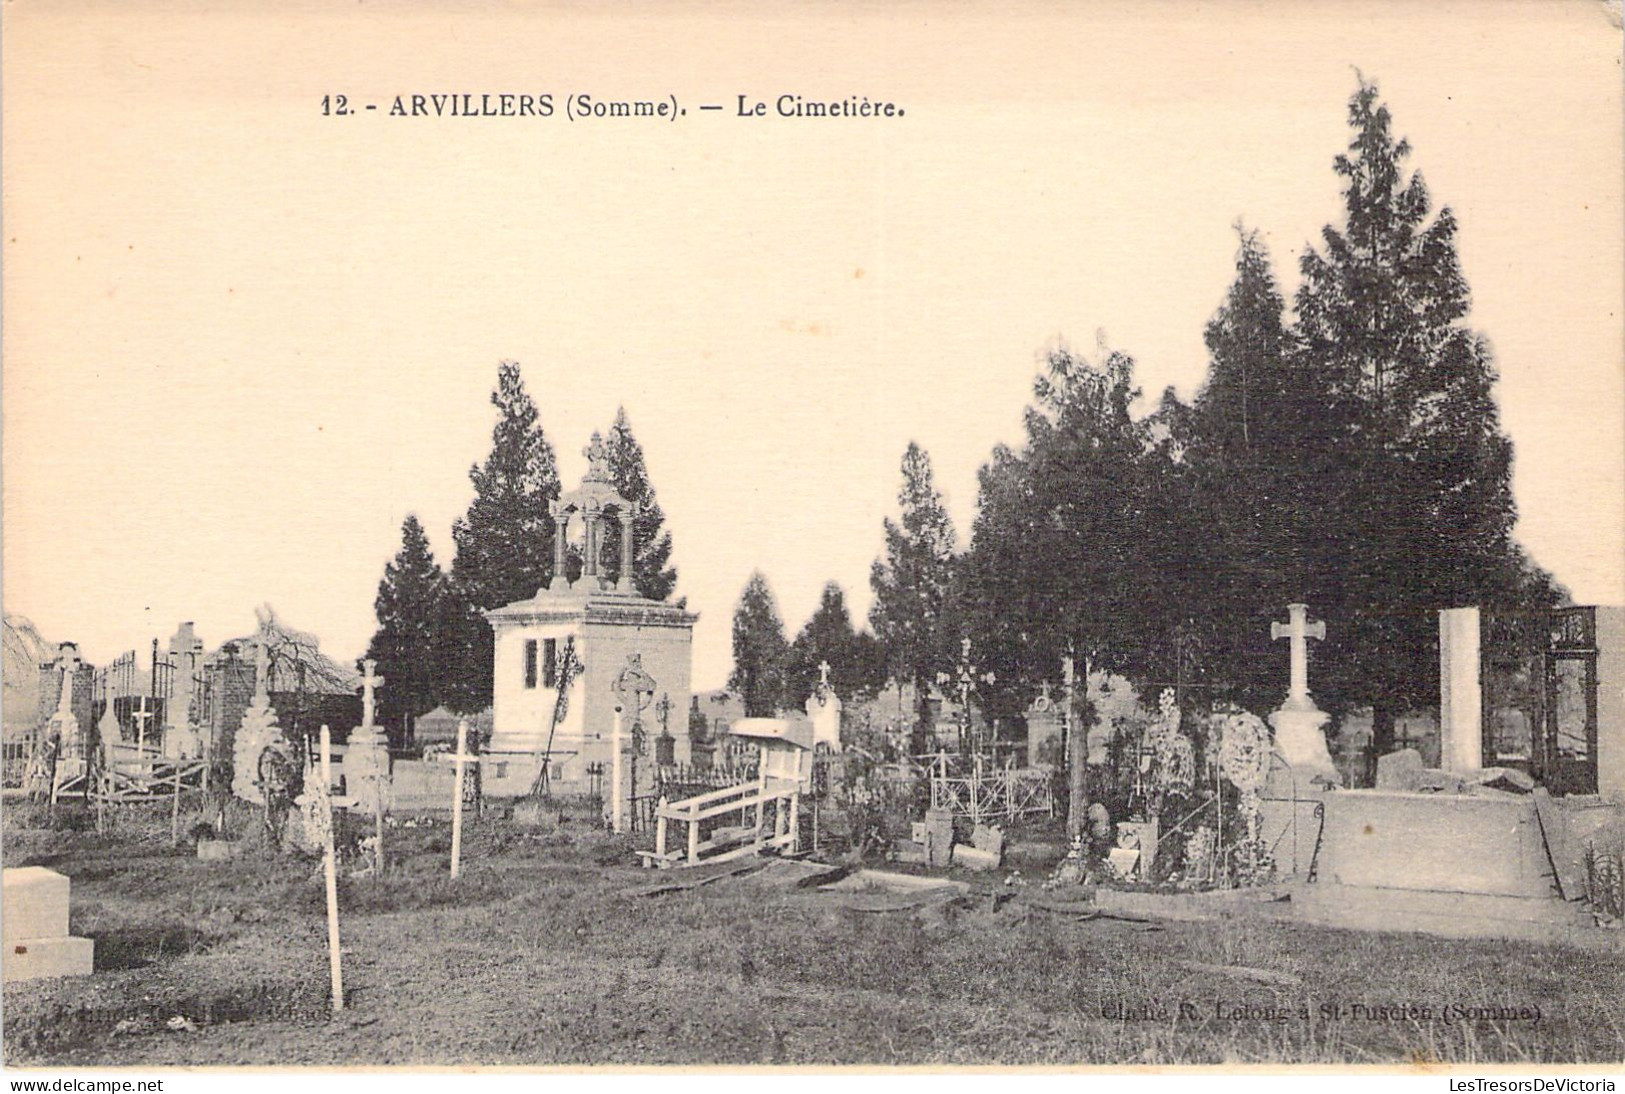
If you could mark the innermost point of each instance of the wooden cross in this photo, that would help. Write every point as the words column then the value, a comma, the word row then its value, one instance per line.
column 330, row 872
column 1298, row 630
column 141, row 715
column 461, row 758
column 369, row 683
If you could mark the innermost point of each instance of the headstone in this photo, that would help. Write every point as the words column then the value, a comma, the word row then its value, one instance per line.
column 1400, row 770
column 1299, row 723
column 181, row 738
column 989, row 838
column 1140, row 836
column 939, row 837
column 34, row 927
column 1043, row 729
column 1461, row 719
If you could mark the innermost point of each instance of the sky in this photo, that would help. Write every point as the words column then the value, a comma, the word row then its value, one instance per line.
column 243, row 340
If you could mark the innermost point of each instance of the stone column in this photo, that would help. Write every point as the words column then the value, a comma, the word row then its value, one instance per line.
column 1461, row 715
column 561, row 552
column 627, row 550
column 589, row 549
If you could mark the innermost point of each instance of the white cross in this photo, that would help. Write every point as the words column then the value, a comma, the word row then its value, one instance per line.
column 369, row 682
column 823, row 674
column 461, row 758
column 1299, row 630
column 140, row 715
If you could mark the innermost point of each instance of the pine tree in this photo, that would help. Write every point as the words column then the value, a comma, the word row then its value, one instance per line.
column 1255, row 444
column 651, row 575
column 1419, row 513
column 914, row 581
column 410, row 643
column 829, row 636
column 1060, row 557
column 505, row 540
column 760, row 650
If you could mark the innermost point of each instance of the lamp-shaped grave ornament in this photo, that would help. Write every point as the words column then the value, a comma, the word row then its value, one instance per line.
column 1299, row 723
column 965, row 680
column 633, row 689
column 824, row 710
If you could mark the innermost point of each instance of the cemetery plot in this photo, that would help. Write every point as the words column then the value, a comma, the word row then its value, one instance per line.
column 538, row 955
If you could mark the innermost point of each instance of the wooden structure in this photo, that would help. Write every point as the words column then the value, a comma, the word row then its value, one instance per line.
column 783, row 774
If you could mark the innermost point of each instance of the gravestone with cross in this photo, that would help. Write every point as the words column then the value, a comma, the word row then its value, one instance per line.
column 1299, row 736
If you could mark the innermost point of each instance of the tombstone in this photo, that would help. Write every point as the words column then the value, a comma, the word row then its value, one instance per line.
column 64, row 724
column 1043, row 730
column 824, row 710
column 1298, row 724
column 109, row 727
column 182, row 740
column 366, row 759
column 1461, row 712
column 1400, row 770
column 34, row 927
column 259, row 731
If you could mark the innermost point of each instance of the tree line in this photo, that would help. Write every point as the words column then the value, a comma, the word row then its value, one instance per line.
column 1345, row 452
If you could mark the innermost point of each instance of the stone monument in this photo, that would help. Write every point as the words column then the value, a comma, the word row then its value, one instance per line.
column 182, row 741
column 558, row 653
column 366, row 758
column 824, row 711
column 1298, row 724
column 64, row 724
column 259, row 731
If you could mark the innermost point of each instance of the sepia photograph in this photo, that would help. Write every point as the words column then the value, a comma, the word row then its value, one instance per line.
column 821, row 536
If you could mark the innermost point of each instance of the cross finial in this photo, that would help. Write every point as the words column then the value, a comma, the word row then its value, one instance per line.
column 370, row 682
column 823, row 674
column 1299, row 630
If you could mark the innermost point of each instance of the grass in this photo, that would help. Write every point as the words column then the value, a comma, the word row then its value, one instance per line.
column 534, row 956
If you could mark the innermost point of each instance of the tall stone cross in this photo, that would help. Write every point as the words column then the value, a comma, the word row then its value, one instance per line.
column 1298, row 630
column 823, row 674
column 68, row 662
column 370, row 682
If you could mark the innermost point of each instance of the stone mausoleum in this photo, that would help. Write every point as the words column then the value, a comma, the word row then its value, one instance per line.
column 560, row 652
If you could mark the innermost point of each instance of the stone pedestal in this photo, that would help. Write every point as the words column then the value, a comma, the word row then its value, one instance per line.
column 1302, row 744
column 34, row 925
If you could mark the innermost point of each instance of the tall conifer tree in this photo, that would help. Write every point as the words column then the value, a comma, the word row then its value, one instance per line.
column 651, row 574
column 505, row 540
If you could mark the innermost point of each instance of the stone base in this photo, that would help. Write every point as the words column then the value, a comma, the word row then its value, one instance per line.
column 507, row 774
column 38, row 958
column 35, row 904
column 1302, row 745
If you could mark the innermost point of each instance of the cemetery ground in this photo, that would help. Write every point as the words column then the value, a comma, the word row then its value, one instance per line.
column 540, row 955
